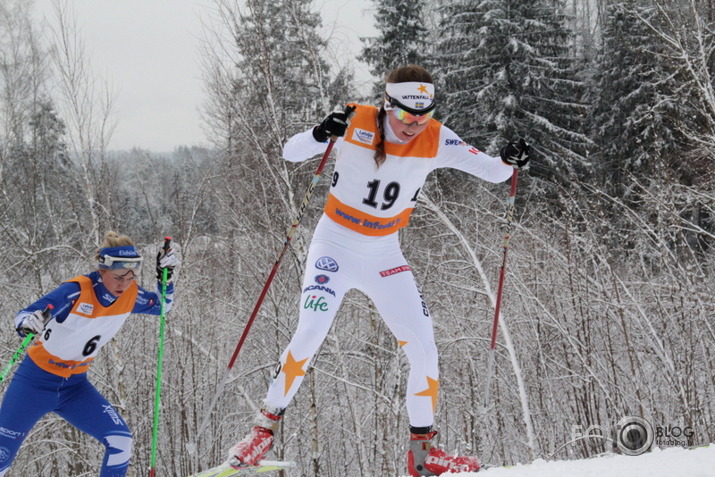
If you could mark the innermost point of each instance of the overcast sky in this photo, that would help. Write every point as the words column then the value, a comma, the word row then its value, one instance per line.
column 147, row 51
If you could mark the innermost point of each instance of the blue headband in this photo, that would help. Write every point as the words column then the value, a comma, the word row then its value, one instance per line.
column 119, row 257
column 126, row 251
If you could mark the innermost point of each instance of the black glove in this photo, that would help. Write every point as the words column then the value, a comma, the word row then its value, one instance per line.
column 335, row 124
column 166, row 259
column 516, row 154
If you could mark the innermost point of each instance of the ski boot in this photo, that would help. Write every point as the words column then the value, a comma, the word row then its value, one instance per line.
column 425, row 459
column 258, row 442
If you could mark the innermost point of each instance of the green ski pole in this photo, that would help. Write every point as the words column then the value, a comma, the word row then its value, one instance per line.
column 20, row 351
column 25, row 343
column 160, row 359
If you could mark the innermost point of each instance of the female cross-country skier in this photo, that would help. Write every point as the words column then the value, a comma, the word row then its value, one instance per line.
column 72, row 323
column 383, row 158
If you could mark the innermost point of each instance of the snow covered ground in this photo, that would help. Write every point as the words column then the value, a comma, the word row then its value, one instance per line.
column 670, row 462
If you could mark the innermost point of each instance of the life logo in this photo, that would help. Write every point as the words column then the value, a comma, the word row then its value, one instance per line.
column 315, row 303
column 327, row 264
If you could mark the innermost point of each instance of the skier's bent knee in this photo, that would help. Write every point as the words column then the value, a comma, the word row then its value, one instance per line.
column 118, row 454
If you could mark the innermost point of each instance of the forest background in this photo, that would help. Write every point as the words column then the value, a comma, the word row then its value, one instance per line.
column 608, row 309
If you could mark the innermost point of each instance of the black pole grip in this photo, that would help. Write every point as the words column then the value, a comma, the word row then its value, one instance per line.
column 167, row 244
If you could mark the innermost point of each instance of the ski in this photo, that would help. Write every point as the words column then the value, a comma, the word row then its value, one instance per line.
column 225, row 470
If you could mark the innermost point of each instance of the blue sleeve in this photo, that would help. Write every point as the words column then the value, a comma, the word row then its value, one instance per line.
column 149, row 303
column 61, row 299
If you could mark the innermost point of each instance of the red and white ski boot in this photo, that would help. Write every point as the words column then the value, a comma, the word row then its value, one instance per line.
column 425, row 459
column 251, row 450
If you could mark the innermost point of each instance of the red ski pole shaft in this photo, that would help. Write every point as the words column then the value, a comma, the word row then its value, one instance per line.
column 286, row 246
column 500, row 287
column 191, row 446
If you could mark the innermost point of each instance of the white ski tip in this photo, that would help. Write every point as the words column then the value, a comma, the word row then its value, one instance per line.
column 284, row 464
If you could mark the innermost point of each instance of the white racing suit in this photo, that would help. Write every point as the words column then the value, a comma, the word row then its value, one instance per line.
column 355, row 245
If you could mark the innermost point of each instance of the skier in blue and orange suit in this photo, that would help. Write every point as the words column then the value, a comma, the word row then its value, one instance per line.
column 72, row 324
column 383, row 158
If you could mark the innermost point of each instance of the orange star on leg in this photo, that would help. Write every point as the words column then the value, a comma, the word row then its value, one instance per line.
column 431, row 391
column 292, row 369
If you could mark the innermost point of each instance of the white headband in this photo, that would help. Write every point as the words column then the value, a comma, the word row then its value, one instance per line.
column 413, row 94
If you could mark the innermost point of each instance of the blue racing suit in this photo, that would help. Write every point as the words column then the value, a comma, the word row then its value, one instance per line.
column 37, row 389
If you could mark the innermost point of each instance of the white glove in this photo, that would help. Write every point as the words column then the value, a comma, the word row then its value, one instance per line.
column 32, row 323
column 170, row 260
column 167, row 260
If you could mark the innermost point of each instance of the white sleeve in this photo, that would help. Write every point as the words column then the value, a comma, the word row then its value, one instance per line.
column 457, row 154
column 303, row 146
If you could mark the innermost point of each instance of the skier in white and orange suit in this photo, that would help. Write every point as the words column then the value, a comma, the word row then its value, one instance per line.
column 383, row 158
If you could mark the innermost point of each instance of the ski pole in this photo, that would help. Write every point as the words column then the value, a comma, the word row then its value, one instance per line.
column 191, row 446
column 500, row 288
column 25, row 343
column 159, row 362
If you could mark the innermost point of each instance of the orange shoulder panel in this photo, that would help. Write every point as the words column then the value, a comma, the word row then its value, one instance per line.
column 363, row 130
column 123, row 304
